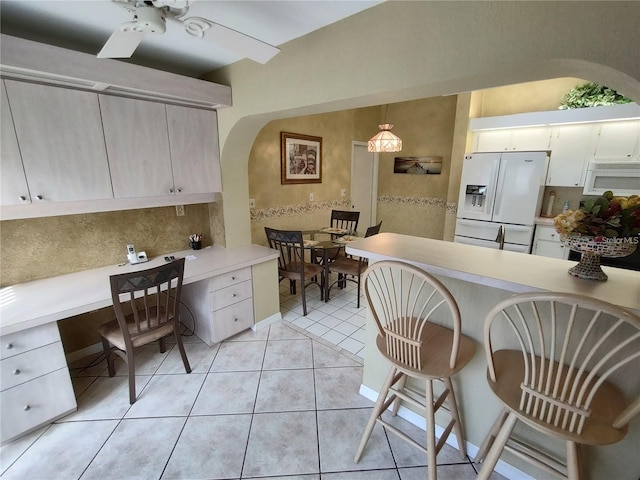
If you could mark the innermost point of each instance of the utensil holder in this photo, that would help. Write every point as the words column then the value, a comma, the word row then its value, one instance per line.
column 195, row 245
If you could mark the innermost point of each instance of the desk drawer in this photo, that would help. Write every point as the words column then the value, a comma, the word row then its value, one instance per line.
column 233, row 319
column 230, row 278
column 32, row 404
column 228, row 296
column 25, row 340
column 32, row 364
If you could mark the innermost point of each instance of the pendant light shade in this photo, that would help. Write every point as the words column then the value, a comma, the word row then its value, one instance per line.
column 385, row 140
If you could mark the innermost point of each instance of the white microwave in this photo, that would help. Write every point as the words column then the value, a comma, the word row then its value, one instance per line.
column 621, row 177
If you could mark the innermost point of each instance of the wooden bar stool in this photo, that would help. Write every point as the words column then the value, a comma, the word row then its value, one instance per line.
column 405, row 302
column 551, row 358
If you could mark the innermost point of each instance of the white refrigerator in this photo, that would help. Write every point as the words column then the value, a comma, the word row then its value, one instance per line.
column 500, row 190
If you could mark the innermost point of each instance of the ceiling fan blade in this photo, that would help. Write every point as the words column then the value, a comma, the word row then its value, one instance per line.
column 121, row 44
column 230, row 39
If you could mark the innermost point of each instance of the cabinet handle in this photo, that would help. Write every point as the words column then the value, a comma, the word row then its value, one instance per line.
column 233, row 278
column 27, row 407
column 9, row 346
column 234, row 295
column 235, row 319
column 171, row 190
column 178, row 190
column 39, row 197
column 16, row 371
column 23, row 198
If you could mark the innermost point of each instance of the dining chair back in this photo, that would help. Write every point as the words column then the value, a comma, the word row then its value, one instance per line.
column 146, row 305
column 292, row 264
column 418, row 324
column 349, row 268
column 347, row 220
column 552, row 360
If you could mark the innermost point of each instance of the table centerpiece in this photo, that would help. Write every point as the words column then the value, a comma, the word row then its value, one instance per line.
column 607, row 226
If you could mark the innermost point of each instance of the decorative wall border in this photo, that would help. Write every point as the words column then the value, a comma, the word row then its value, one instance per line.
column 261, row 214
column 419, row 202
column 258, row 215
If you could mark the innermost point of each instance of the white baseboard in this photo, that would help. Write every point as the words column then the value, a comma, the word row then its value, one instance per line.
column 503, row 468
column 276, row 317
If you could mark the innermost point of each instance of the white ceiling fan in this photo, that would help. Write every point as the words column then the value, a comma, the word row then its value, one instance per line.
column 150, row 17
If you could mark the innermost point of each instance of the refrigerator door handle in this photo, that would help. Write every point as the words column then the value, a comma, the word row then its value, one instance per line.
column 499, row 189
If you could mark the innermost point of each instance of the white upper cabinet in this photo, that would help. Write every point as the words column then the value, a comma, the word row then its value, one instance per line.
column 618, row 140
column 195, row 155
column 572, row 147
column 61, row 142
column 138, row 147
column 13, row 186
column 512, row 139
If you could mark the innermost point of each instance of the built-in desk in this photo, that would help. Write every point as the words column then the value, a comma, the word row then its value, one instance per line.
column 35, row 383
column 479, row 278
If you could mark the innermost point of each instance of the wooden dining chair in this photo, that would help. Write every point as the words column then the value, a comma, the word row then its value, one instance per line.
column 404, row 302
column 552, row 359
column 349, row 268
column 146, row 304
column 347, row 220
column 292, row 264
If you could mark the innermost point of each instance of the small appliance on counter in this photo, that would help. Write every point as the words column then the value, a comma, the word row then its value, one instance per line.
column 500, row 190
column 134, row 257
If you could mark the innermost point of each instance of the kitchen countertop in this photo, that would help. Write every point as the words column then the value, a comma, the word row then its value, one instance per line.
column 510, row 271
column 546, row 221
column 35, row 303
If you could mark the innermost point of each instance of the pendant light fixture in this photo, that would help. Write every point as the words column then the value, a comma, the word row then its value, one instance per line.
column 385, row 140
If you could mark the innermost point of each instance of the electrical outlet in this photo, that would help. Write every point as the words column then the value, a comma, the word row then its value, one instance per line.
column 252, row 203
column 180, row 210
column 343, row 192
column 311, row 197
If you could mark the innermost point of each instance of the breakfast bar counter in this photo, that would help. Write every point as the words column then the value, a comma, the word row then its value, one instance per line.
column 479, row 278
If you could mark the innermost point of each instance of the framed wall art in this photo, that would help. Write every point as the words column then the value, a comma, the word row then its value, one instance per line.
column 301, row 160
column 418, row 165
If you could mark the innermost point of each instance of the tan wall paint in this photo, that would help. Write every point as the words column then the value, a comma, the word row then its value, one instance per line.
column 430, row 49
column 45, row 247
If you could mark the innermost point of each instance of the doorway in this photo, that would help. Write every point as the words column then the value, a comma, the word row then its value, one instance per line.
column 364, row 184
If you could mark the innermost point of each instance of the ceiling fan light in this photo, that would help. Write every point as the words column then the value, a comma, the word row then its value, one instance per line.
column 385, row 140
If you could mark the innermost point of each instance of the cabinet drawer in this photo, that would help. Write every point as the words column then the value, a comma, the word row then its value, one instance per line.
column 27, row 406
column 228, row 296
column 25, row 340
column 32, row 364
column 233, row 319
column 230, row 278
column 547, row 233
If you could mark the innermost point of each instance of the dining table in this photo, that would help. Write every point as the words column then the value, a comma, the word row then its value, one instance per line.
column 325, row 244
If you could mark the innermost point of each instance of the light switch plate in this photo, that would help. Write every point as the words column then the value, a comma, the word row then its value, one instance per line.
column 252, row 203
column 180, row 210
column 343, row 192
column 311, row 197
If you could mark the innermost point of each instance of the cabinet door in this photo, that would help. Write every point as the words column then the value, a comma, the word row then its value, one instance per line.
column 547, row 243
column 618, row 140
column 61, row 141
column 571, row 148
column 493, row 141
column 137, row 145
column 195, row 155
column 527, row 139
column 13, row 186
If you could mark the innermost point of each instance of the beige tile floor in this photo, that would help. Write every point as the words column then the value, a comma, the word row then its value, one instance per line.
column 279, row 403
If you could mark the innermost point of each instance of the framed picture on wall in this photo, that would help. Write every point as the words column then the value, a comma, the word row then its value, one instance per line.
column 418, row 165
column 301, row 160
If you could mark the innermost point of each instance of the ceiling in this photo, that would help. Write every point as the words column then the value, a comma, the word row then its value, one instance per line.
column 85, row 25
